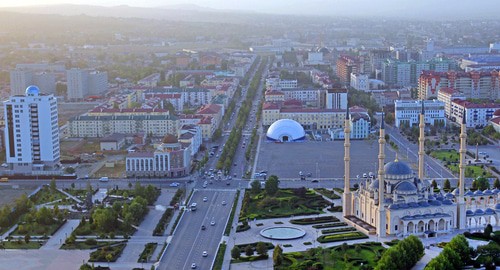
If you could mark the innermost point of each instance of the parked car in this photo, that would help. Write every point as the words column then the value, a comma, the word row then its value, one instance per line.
column 175, row 184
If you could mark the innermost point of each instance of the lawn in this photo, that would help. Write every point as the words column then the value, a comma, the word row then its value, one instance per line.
column 327, row 193
column 46, row 195
column 471, row 171
column 334, row 258
column 34, row 228
column 285, row 203
column 21, row 245
column 451, row 157
column 107, row 253
column 446, row 155
column 88, row 244
column 113, row 172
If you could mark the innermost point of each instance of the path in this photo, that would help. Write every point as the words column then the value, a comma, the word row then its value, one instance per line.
column 56, row 240
column 69, row 195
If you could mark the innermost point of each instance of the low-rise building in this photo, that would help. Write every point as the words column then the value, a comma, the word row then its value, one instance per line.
column 407, row 112
column 170, row 159
column 112, row 142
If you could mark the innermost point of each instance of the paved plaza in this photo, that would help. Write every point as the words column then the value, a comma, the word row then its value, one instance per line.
column 323, row 159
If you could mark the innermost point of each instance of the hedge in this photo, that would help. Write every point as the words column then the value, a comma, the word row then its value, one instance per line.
column 341, row 237
column 330, row 225
column 149, row 248
column 163, row 222
column 329, row 231
column 314, row 220
column 242, row 247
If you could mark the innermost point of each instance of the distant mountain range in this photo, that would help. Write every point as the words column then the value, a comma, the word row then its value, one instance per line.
column 234, row 11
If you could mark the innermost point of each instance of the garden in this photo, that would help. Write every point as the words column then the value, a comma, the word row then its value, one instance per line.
column 346, row 236
column 281, row 203
column 146, row 254
column 451, row 157
column 108, row 253
column 327, row 193
column 89, row 243
column 358, row 256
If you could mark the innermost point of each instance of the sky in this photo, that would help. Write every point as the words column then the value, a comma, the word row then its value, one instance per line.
column 413, row 8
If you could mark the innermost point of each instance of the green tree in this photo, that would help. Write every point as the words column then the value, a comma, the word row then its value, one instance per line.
column 255, row 187
column 249, row 250
column 460, row 245
column 27, row 239
column 452, row 257
column 69, row 170
column 261, row 248
column 105, row 219
column 434, row 184
column 487, row 231
column 53, row 186
column 272, row 185
column 44, row 216
column 482, row 183
column 389, row 118
column 446, row 185
column 277, row 256
column 235, row 252
column 496, row 184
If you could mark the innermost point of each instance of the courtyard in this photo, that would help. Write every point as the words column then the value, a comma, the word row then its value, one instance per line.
column 323, row 159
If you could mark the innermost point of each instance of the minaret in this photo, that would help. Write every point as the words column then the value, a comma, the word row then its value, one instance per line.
column 461, row 177
column 421, row 140
column 347, row 203
column 381, row 231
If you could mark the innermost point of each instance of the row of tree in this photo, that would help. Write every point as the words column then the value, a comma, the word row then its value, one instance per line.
column 455, row 255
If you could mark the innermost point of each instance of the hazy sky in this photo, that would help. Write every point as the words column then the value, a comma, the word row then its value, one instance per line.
column 412, row 8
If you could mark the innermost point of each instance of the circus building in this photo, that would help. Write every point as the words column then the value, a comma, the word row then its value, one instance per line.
column 398, row 202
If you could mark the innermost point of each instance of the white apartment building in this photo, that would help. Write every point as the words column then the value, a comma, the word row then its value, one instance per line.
column 446, row 95
column 407, row 112
column 20, row 79
column 82, row 83
column 476, row 115
column 278, row 84
column 308, row 96
column 336, row 99
column 360, row 82
column 31, row 132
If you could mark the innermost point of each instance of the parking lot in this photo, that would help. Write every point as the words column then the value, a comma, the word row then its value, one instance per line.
column 321, row 159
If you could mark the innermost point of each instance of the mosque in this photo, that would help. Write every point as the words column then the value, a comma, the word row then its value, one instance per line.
column 398, row 203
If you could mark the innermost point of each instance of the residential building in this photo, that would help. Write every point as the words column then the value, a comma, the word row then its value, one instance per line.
column 278, row 84
column 20, row 79
column 345, row 66
column 150, row 80
column 336, row 99
column 213, row 110
column 360, row 82
column 31, row 132
column 446, row 95
column 82, row 83
column 192, row 135
column 473, row 84
column 189, row 96
column 406, row 112
column 476, row 115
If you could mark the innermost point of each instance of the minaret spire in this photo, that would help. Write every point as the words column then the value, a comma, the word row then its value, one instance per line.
column 347, row 204
column 381, row 231
column 421, row 142
column 461, row 176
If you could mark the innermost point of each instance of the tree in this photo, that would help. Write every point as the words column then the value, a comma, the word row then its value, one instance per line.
column 434, row 184
column 482, row 183
column 277, row 255
column 235, row 252
column 452, row 257
column 261, row 248
column 69, row 170
column 272, row 185
column 496, row 184
column 447, row 185
column 27, row 239
column 460, row 245
column 487, row 231
column 255, row 187
column 301, row 191
column 389, row 118
column 249, row 250
column 105, row 219
column 53, row 185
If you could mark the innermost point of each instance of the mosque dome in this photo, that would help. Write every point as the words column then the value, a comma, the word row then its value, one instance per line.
column 405, row 188
column 32, row 90
column 286, row 130
column 396, row 171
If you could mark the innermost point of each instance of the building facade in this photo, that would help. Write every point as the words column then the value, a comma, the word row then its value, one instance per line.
column 476, row 115
column 31, row 132
column 407, row 112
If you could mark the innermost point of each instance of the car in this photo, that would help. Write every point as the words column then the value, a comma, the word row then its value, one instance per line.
column 104, row 179
column 204, row 254
column 193, row 266
column 228, row 183
column 204, row 185
column 205, row 199
column 224, row 203
column 315, row 181
column 309, row 174
column 203, row 227
column 174, row 184
column 212, row 223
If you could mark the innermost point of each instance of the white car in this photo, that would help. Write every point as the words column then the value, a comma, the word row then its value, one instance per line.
column 212, row 223
column 205, row 199
column 204, row 254
column 193, row 266
column 174, row 184
column 223, row 202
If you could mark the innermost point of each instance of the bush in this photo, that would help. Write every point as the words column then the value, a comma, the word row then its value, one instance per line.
column 314, row 220
column 341, row 237
column 91, row 241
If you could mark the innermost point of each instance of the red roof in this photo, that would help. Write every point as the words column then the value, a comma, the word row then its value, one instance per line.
column 209, row 109
column 270, row 106
column 357, row 109
column 470, row 105
column 447, row 90
column 495, row 120
column 274, row 93
column 309, row 110
column 206, row 120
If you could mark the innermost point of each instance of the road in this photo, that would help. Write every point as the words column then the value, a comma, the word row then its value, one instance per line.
column 190, row 241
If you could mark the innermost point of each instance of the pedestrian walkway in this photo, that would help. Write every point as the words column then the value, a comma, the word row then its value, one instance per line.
column 56, row 240
column 7, row 233
column 69, row 195
column 100, row 195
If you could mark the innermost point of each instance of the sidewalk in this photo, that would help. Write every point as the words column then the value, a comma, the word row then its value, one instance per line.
column 69, row 195
column 56, row 240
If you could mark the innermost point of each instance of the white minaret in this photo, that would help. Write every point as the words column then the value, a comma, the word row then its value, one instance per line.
column 381, row 230
column 421, row 140
column 461, row 177
column 347, row 200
